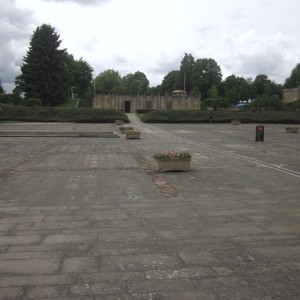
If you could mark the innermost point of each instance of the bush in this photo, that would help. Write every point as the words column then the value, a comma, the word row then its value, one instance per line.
column 49, row 114
column 143, row 111
column 167, row 116
column 7, row 98
column 10, row 99
column 267, row 102
column 293, row 105
column 33, row 102
column 69, row 103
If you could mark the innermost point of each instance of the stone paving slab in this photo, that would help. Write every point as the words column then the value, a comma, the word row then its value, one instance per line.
column 89, row 218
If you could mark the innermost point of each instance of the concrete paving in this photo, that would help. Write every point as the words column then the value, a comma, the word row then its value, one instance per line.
column 90, row 218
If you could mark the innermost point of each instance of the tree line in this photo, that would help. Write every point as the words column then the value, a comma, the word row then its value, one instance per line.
column 51, row 75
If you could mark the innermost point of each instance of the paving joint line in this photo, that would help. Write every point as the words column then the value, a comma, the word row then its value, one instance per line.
column 159, row 181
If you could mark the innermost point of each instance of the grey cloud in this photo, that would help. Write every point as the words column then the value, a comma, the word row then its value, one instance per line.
column 238, row 14
column 165, row 66
column 120, row 60
column 8, row 67
column 270, row 63
column 204, row 30
column 15, row 31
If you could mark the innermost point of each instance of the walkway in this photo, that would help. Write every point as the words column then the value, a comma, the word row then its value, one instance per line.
column 90, row 218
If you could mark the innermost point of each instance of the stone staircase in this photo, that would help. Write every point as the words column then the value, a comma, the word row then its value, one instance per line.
column 85, row 103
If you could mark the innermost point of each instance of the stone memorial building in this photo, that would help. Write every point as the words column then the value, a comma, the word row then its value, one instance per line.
column 291, row 95
column 131, row 103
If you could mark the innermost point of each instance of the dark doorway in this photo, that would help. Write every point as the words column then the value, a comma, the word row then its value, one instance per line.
column 127, row 106
column 169, row 105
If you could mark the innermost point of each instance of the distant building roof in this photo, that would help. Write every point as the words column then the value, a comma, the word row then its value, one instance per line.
column 179, row 92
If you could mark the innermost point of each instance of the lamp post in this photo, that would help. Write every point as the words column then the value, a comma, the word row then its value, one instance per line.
column 94, row 100
column 94, row 82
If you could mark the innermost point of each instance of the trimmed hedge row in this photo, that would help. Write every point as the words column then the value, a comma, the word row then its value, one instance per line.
column 49, row 114
column 143, row 111
column 167, row 116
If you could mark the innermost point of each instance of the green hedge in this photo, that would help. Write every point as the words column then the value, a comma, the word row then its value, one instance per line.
column 143, row 111
column 33, row 102
column 49, row 114
column 167, row 116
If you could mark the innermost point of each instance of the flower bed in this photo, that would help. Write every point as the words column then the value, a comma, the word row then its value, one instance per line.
column 292, row 129
column 132, row 134
column 123, row 129
column 173, row 161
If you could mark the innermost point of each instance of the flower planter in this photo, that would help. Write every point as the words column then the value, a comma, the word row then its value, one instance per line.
column 166, row 165
column 294, row 129
column 132, row 134
column 235, row 122
column 118, row 122
column 123, row 129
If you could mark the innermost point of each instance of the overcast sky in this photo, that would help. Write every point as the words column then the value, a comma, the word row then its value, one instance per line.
column 246, row 37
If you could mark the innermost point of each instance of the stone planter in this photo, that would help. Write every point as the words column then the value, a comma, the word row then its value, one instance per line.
column 118, row 122
column 235, row 122
column 130, row 134
column 293, row 129
column 165, row 165
column 123, row 129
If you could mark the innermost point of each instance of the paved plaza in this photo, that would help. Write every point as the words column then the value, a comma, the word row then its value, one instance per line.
column 89, row 217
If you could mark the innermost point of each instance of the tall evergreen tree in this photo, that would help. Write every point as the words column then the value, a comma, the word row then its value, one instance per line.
column 1, row 88
column 44, row 72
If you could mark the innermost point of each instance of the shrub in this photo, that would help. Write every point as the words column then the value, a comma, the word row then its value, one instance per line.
column 143, row 111
column 7, row 98
column 33, row 102
column 11, row 99
column 166, row 116
column 69, row 103
column 49, row 114
column 293, row 105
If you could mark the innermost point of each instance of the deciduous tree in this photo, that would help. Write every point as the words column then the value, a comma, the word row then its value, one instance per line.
column 206, row 74
column 263, row 85
column 108, row 81
column 186, row 73
column 80, row 76
column 293, row 81
column 236, row 88
column 196, row 93
column 140, row 83
column 170, row 82
column 267, row 102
